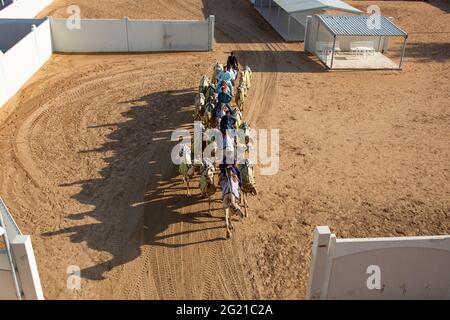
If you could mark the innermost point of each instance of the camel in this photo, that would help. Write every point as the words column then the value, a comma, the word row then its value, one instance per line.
column 204, row 84
column 240, row 96
column 208, row 119
column 248, row 76
column 243, row 83
column 199, row 104
column 206, row 184
column 246, row 131
column 246, row 79
column 229, row 183
column 211, row 146
column 186, row 168
column 217, row 69
column 238, row 116
column 248, row 185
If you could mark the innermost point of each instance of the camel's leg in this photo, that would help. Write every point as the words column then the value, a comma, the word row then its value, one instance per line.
column 245, row 205
column 187, row 185
column 230, row 220
column 209, row 203
column 227, row 217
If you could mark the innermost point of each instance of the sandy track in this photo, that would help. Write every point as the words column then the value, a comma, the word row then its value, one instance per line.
column 189, row 258
column 85, row 156
column 94, row 156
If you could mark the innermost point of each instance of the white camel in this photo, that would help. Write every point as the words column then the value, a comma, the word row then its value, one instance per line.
column 229, row 183
column 204, row 84
column 243, row 82
column 238, row 116
column 199, row 104
column 206, row 184
column 249, row 76
column 208, row 119
column 186, row 168
column 217, row 69
column 246, row 131
column 248, row 185
column 240, row 96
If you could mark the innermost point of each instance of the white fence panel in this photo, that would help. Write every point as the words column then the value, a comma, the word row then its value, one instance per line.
column 24, row 8
column 23, row 262
column 27, row 268
column 3, row 90
column 7, row 289
column 44, row 41
column 94, row 35
column 404, row 267
column 185, row 36
column 145, row 35
column 21, row 61
column 126, row 35
column 26, row 56
column 19, row 64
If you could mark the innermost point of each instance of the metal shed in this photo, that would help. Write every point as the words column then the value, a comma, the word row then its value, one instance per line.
column 355, row 42
column 288, row 17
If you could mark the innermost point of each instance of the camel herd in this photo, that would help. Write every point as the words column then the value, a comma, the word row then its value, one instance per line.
column 236, row 178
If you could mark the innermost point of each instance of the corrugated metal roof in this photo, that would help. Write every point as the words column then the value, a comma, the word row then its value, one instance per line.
column 359, row 26
column 291, row 6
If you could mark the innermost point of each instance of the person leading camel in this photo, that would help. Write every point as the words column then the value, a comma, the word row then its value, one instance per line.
column 232, row 62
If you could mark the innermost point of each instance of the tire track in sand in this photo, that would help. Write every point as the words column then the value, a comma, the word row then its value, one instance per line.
column 218, row 263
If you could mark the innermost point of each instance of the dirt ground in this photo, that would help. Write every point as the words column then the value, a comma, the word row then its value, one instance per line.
column 85, row 157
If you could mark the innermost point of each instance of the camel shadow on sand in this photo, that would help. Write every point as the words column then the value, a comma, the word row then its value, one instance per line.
column 126, row 220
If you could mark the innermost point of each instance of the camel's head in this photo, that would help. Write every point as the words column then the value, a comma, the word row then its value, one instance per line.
column 237, row 112
column 205, row 80
column 245, row 128
column 247, row 164
column 208, row 169
column 185, row 153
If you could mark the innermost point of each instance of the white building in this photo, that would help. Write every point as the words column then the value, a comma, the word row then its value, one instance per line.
column 355, row 42
column 288, row 17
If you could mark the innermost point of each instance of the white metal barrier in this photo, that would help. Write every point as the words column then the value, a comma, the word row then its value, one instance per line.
column 25, row 57
column 127, row 35
column 379, row 268
column 33, row 48
column 24, row 8
column 19, row 276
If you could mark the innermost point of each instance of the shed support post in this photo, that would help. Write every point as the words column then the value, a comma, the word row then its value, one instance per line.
column 289, row 25
column 403, row 53
column 9, row 253
column 126, row 32
column 270, row 9
column 332, row 53
column 278, row 17
column 211, row 22
column 306, row 39
column 319, row 261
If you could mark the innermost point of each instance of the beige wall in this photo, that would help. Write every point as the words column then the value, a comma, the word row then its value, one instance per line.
column 410, row 267
column 122, row 35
